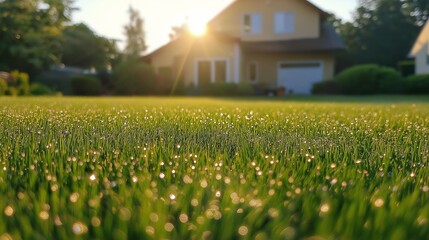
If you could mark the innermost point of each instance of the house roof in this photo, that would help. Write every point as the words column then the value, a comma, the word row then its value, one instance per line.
column 421, row 40
column 189, row 39
column 329, row 40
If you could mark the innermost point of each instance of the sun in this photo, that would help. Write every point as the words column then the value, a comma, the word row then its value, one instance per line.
column 196, row 27
column 197, row 21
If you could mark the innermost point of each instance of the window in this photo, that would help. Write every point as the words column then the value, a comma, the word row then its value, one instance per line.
column 253, row 72
column 204, row 72
column 252, row 23
column 284, row 22
column 220, row 71
column 212, row 70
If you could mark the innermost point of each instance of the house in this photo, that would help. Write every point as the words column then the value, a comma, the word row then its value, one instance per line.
column 420, row 51
column 278, row 43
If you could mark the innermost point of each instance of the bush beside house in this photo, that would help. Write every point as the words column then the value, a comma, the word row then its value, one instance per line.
column 137, row 78
column 416, row 84
column 362, row 80
column 227, row 89
column 38, row 89
column 86, row 86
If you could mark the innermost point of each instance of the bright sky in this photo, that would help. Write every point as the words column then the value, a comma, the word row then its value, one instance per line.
column 107, row 17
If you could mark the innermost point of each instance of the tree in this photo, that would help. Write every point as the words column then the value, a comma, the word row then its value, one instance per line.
column 83, row 48
column 135, row 45
column 134, row 77
column 30, row 31
column 178, row 31
column 419, row 10
column 382, row 32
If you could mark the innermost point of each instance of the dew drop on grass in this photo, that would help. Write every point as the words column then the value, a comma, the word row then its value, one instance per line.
column 194, row 202
column 154, row 217
column 324, row 208
column 150, row 230
column 95, row 221
column 273, row 213
column 124, row 214
column 162, row 175
column 44, row 215
column 92, row 177
column 134, row 179
column 379, row 203
column 168, row 227
column 172, row 197
column 57, row 221
column 218, row 194
column 74, row 197
column 183, row 218
column 243, row 230
column 5, row 236
column 8, row 211
column 187, row 179
column 79, row 228
column 203, row 183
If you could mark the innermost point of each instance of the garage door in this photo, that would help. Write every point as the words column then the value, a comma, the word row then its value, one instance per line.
column 299, row 78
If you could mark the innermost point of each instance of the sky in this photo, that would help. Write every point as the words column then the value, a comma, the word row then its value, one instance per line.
column 108, row 17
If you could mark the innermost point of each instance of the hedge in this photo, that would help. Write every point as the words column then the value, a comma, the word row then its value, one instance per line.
column 86, row 85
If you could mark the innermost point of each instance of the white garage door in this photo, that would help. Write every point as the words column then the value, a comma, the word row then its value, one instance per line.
column 299, row 77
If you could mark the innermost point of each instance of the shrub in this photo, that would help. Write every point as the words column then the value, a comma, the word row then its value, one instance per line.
column 407, row 68
column 39, row 89
column 12, row 91
column 86, row 85
column 21, row 82
column 133, row 77
column 326, row 87
column 227, row 89
column 416, row 84
column 3, row 86
column 368, row 79
column 245, row 89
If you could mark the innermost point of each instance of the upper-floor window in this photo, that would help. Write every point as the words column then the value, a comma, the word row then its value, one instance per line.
column 284, row 22
column 252, row 23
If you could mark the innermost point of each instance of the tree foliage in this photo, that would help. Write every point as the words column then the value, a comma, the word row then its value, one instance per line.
column 177, row 31
column 83, row 48
column 135, row 35
column 382, row 31
column 134, row 77
column 30, row 31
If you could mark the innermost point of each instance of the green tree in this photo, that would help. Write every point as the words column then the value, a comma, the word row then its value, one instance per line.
column 135, row 35
column 83, row 48
column 382, row 31
column 134, row 77
column 30, row 31
column 419, row 10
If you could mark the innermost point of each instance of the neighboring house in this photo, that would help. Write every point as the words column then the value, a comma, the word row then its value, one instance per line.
column 420, row 51
column 266, row 42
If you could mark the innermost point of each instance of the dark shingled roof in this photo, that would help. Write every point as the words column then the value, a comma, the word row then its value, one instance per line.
column 329, row 40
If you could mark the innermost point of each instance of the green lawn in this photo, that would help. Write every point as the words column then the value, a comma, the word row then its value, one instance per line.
column 199, row 168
